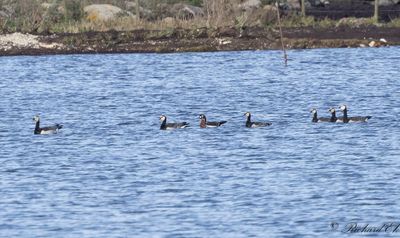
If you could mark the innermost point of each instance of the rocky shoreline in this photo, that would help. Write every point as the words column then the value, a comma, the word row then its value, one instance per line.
column 199, row 40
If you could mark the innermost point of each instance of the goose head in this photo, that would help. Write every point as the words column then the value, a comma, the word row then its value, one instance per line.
column 343, row 107
column 163, row 118
column 36, row 118
column 313, row 111
column 247, row 114
column 332, row 110
column 202, row 116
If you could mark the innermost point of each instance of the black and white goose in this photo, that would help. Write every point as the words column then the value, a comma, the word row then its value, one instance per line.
column 334, row 118
column 204, row 123
column 316, row 118
column 169, row 126
column 347, row 119
column 252, row 124
column 45, row 130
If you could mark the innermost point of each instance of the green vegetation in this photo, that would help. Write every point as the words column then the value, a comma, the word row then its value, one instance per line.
column 394, row 23
column 64, row 16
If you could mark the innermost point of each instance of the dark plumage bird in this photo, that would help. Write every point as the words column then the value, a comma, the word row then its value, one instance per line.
column 333, row 116
column 45, row 130
column 169, row 126
column 347, row 119
column 315, row 117
column 204, row 123
column 251, row 124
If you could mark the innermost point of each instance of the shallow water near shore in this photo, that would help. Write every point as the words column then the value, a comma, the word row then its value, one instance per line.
column 112, row 173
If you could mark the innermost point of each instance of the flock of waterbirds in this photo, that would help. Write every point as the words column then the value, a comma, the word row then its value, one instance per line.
column 206, row 124
column 333, row 118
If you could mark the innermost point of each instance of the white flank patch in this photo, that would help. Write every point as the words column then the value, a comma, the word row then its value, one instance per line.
column 48, row 132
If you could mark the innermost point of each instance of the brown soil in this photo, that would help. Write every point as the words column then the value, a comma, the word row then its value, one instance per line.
column 224, row 39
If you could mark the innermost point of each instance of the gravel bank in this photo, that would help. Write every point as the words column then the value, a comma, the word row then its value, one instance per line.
column 198, row 40
column 19, row 41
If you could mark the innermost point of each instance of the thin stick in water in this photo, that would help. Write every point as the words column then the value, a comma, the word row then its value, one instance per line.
column 280, row 30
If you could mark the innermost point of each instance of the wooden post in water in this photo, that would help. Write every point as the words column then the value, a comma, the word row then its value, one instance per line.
column 280, row 30
column 303, row 8
column 376, row 11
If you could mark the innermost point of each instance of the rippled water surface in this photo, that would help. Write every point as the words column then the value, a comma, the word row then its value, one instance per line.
column 112, row 173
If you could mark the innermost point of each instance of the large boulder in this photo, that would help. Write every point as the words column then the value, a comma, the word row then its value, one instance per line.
column 268, row 15
column 186, row 11
column 169, row 21
column 263, row 16
column 320, row 3
column 102, row 12
column 144, row 13
column 6, row 11
column 46, row 5
column 55, row 8
column 130, row 5
column 294, row 4
column 3, row 14
column 250, row 5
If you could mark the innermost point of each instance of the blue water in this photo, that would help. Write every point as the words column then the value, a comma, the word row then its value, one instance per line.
column 112, row 173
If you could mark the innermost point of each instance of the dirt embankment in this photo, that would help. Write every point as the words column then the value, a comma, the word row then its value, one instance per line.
column 198, row 40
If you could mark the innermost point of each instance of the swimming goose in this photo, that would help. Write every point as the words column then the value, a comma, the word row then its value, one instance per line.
column 315, row 117
column 347, row 119
column 45, row 130
column 250, row 124
column 204, row 123
column 168, row 126
column 333, row 116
